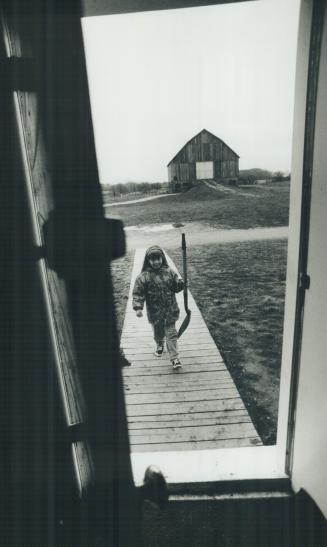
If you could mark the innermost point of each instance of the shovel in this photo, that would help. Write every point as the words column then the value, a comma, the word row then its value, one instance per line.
column 187, row 319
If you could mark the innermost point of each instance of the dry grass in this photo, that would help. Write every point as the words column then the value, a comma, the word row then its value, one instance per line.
column 240, row 290
column 121, row 271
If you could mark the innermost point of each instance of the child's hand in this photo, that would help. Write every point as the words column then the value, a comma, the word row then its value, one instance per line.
column 139, row 313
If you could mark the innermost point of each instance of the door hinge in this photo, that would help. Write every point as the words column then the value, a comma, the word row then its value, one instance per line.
column 304, row 281
column 67, row 250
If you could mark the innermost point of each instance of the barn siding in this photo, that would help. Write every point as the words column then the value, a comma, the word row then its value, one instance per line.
column 217, row 169
column 184, row 172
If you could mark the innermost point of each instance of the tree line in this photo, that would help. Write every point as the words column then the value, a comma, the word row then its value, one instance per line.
column 133, row 187
column 251, row 175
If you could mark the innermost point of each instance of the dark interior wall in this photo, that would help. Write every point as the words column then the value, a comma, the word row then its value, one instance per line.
column 47, row 70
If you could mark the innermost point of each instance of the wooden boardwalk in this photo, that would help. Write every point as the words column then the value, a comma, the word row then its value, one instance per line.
column 196, row 407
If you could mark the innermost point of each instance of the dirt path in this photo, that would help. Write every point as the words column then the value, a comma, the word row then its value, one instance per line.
column 106, row 205
column 169, row 237
column 226, row 189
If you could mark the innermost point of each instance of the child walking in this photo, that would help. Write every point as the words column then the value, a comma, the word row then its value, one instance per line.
column 156, row 285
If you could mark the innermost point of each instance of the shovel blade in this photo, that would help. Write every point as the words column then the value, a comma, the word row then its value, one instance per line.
column 185, row 324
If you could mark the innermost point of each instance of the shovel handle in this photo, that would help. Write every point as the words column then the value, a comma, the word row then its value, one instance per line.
column 184, row 271
column 183, row 242
column 186, row 321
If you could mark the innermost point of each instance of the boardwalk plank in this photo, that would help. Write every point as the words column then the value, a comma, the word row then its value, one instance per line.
column 183, row 434
column 150, row 362
column 195, row 349
column 175, row 379
column 180, row 396
column 158, row 426
column 188, row 365
column 168, row 370
column 183, row 345
column 200, row 356
column 153, row 409
column 163, row 388
column 228, row 415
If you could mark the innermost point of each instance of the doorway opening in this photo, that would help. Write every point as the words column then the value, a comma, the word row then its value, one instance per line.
column 237, row 235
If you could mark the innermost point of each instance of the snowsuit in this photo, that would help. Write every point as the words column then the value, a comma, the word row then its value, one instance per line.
column 157, row 289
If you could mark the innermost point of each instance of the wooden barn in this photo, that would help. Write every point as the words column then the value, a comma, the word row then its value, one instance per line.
column 205, row 156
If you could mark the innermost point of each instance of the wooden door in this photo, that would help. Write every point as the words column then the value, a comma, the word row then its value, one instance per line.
column 72, row 246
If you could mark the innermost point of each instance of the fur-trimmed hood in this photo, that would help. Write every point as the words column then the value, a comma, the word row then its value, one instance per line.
column 154, row 249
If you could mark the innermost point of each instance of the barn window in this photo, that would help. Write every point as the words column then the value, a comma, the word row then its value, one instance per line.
column 242, row 461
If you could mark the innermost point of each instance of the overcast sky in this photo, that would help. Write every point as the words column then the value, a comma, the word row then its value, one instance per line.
column 158, row 78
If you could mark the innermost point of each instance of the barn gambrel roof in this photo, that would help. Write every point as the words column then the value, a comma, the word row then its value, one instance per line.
column 202, row 131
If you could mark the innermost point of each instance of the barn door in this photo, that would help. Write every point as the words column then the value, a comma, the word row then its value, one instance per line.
column 204, row 170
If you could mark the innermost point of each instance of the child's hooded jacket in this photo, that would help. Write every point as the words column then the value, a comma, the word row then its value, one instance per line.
column 157, row 289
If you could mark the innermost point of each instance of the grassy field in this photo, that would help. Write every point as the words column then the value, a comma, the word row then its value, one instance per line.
column 246, row 208
column 239, row 287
